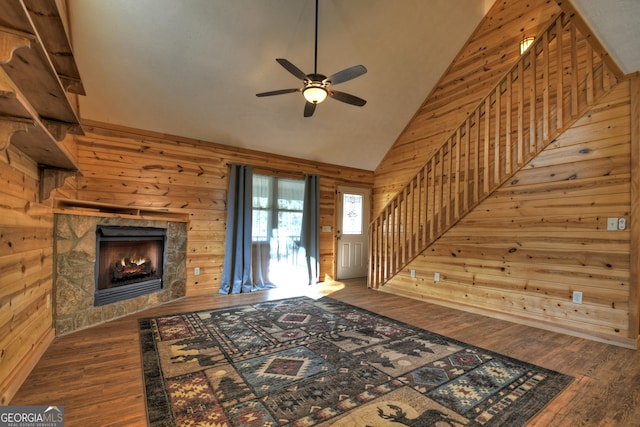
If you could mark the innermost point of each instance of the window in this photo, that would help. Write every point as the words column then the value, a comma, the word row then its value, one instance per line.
column 352, row 213
column 277, row 208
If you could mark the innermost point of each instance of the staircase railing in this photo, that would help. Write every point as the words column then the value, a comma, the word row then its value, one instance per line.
column 553, row 83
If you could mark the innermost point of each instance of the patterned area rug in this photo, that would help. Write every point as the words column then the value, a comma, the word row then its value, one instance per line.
column 304, row 362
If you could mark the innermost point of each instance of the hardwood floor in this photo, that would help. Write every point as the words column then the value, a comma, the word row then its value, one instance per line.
column 96, row 373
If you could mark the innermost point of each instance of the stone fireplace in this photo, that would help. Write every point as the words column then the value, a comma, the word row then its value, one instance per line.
column 107, row 267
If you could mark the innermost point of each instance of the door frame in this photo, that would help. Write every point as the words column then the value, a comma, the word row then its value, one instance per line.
column 336, row 226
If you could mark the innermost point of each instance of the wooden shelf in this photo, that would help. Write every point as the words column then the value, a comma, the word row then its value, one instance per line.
column 21, row 125
column 81, row 207
column 51, row 30
column 35, row 60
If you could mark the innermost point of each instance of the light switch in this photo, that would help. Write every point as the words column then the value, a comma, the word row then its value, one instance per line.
column 612, row 223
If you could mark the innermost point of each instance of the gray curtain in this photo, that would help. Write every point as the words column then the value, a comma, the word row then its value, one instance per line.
column 236, row 271
column 310, row 239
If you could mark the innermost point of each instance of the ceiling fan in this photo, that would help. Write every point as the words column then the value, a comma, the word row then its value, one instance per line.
column 317, row 87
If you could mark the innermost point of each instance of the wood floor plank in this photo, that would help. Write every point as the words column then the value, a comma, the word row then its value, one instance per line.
column 96, row 374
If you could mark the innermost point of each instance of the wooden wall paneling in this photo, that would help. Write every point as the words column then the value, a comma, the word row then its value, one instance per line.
column 634, row 222
column 527, row 247
column 132, row 167
column 26, row 269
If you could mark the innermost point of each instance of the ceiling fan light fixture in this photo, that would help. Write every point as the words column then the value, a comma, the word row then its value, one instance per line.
column 315, row 92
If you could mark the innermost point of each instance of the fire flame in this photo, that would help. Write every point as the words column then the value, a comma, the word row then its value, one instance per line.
column 133, row 260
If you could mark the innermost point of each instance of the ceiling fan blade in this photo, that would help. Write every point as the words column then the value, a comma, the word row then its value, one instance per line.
column 347, row 98
column 292, row 68
column 309, row 108
column 277, row 92
column 347, row 74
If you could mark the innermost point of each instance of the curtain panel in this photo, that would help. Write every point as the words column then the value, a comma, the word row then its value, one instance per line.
column 310, row 239
column 236, row 271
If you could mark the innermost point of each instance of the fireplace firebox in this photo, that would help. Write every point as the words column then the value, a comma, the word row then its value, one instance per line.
column 129, row 262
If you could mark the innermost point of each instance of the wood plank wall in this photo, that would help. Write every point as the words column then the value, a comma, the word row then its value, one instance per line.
column 490, row 52
column 523, row 251
column 129, row 167
column 26, row 257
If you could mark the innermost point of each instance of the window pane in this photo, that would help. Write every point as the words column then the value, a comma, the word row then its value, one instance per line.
column 262, row 191
column 351, row 213
column 290, row 224
column 260, row 225
column 290, row 194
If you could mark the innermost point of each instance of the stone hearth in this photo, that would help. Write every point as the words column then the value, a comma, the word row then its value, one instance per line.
column 74, row 273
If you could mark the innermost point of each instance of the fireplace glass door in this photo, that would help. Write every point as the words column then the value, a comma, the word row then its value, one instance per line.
column 129, row 262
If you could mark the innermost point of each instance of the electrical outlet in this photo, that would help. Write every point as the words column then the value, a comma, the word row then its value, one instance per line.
column 413, row 273
column 622, row 224
column 196, row 271
column 612, row 224
column 436, row 277
column 577, row 297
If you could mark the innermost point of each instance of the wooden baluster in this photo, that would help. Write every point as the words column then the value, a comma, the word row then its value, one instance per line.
column 385, row 243
column 432, row 198
column 371, row 265
column 574, row 72
column 420, row 226
column 440, row 189
column 508, row 167
column 381, row 261
column 546, row 114
column 378, row 273
column 496, row 138
column 403, row 230
column 560, row 78
column 379, row 250
column 476, row 168
column 589, row 77
column 456, row 192
column 392, row 236
column 467, row 152
column 487, row 140
column 449, row 174
column 415, row 221
column 426, row 221
column 532, row 103
column 521, row 141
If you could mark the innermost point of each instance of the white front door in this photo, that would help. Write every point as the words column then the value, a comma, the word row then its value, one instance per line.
column 352, row 232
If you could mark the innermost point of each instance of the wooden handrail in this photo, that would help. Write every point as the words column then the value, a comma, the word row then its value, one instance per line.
column 553, row 84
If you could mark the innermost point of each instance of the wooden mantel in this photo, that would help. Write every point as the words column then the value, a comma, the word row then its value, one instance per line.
column 79, row 207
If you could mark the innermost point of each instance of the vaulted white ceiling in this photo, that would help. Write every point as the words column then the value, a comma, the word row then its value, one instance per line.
column 192, row 67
